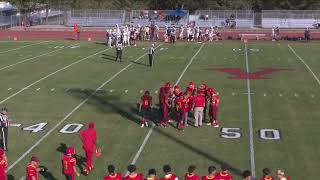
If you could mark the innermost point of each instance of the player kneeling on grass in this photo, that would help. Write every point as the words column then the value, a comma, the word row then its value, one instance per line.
column 145, row 108
column 69, row 164
column 266, row 174
column 112, row 174
column 190, row 175
column 151, row 175
column 168, row 175
column 214, row 100
column 246, row 175
column 32, row 169
column 211, row 174
column 133, row 175
column 224, row 174
column 89, row 138
column 3, row 165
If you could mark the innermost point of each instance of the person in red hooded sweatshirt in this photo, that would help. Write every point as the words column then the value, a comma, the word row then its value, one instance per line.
column 69, row 164
column 3, row 165
column 133, row 175
column 32, row 169
column 266, row 174
column 224, row 174
column 89, row 138
column 190, row 175
column 168, row 175
column 162, row 92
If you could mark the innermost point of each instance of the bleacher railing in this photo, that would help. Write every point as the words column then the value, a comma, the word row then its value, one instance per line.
column 290, row 18
column 159, row 17
column 95, row 17
column 222, row 18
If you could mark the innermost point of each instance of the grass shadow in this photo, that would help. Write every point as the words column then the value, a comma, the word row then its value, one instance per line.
column 47, row 174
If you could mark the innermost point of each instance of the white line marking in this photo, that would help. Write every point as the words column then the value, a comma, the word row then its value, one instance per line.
column 15, row 125
column 51, row 74
column 11, row 65
column 23, row 47
column 74, row 109
column 9, row 89
column 38, row 89
column 252, row 160
column 137, row 155
column 314, row 75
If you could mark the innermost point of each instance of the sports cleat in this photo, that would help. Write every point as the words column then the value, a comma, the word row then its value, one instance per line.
column 216, row 126
column 146, row 123
column 209, row 124
column 142, row 125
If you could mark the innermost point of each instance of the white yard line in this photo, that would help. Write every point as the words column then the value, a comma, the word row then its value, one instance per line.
column 1, row 52
column 51, row 74
column 308, row 67
column 137, row 155
column 252, row 160
column 29, row 59
column 73, row 110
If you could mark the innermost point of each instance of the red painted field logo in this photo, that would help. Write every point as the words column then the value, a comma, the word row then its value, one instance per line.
column 237, row 73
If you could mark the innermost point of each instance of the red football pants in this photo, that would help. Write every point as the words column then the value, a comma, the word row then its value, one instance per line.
column 214, row 113
column 89, row 155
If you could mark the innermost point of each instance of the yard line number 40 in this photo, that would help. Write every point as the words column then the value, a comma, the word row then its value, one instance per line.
column 226, row 133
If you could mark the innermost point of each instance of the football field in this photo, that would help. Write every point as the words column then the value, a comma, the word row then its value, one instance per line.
column 269, row 111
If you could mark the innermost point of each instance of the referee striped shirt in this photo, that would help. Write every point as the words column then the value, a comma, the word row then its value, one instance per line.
column 4, row 120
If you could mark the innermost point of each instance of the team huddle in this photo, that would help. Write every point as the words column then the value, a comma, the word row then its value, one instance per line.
column 175, row 103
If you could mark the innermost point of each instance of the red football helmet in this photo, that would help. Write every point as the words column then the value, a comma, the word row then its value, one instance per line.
column 70, row 151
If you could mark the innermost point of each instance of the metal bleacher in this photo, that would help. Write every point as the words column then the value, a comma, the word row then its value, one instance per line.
column 208, row 18
column 95, row 17
column 290, row 18
column 161, row 17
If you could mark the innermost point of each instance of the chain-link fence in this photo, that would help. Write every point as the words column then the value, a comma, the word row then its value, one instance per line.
column 225, row 18
column 290, row 18
column 159, row 17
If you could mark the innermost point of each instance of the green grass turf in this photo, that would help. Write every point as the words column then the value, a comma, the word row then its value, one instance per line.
column 114, row 111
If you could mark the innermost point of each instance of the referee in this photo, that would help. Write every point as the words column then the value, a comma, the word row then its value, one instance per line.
column 151, row 55
column 4, row 124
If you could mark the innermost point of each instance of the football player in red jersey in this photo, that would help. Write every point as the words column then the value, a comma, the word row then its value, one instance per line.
column 161, row 98
column 214, row 100
column 180, row 112
column 3, row 165
column 32, row 169
column 191, row 88
column 281, row 176
column 69, row 164
column 133, row 175
column 211, row 174
column 190, row 175
column 224, row 174
column 266, row 174
column 112, row 174
column 89, row 138
column 166, row 106
column 168, row 175
column 186, row 108
column 246, row 175
column 151, row 175
column 145, row 108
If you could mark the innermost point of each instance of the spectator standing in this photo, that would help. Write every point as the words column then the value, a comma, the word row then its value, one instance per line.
column 78, row 33
column 307, row 34
column 197, row 107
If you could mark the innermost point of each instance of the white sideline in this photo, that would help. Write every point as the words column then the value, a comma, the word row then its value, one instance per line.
column 74, row 109
column 314, row 75
column 29, row 59
column 23, row 47
column 252, row 160
column 51, row 74
column 136, row 157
